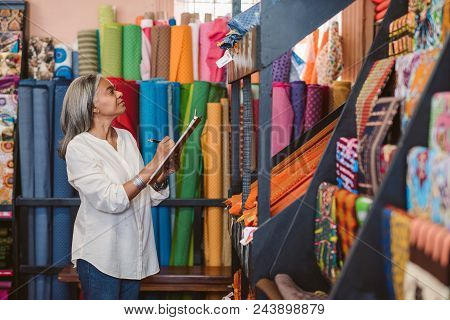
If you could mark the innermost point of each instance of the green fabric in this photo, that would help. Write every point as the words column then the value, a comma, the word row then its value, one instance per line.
column 189, row 177
column 111, row 50
column 131, row 52
column 217, row 92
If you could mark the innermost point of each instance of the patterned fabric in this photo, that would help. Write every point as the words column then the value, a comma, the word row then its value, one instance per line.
column 445, row 21
column 400, row 223
column 87, row 52
column 6, row 171
column 10, row 63
column 298, row 101
column 160, row 58
column 386, row 157
column 8, row 105
column 11, row 41
column 346, row 219
column 330, row 69
column 8, row 84
column 282, row 68
column 401, row 32
column 386, row 245
column 440, row 189
column 439, row 132
column 41, row 62
column 376, row 130
column 6, row 127
column 418, row 182
column 325, row 233
column 405, row 67
column 312, row 41
column 11, row 20
column 297, row 66
column 316, row 98
column 63, row 61
column 347, row 164
column 429, row 26
column 362, row 206
column 375, row 82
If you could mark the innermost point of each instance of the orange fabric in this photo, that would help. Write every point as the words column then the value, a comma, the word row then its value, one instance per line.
column 313, row 41
column 289, row 179
column 181, row 66
column 138, row 20
column 323, row 43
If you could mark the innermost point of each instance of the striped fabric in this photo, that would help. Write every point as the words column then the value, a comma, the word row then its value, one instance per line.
column 87, row 52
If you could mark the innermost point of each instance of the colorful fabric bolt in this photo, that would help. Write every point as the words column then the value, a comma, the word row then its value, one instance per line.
column 87, row 52
column 386, row 245
column 439, row 130
column 10, row 64
column 386, row 156
column 347, row 164
column 297, row 66
column 282, row 117
column 331, row 67
column 11, row 20
column 63, row 61
column 340, row 91
column 298, row 101
column 160, row 58
column 41, row 58
column 6, row 171
column 181, row 61
column 218, row 31
column 11, row 41
column 347, row 223
column 362, row 206
column 282, row 68
column 401, row 33
column 429, row 26
column 9, row 84
column 131, row 52
column 440, row 189
column 316, row 101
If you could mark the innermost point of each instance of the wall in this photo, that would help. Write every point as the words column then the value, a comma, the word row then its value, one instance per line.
column 61, row 19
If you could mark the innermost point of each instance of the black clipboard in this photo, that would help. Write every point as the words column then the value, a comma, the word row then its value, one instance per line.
column 177, row 147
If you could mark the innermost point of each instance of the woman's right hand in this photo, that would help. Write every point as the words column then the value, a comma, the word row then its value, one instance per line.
column 162, row 151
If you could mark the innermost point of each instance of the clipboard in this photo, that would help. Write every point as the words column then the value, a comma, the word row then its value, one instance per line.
column 177, row 147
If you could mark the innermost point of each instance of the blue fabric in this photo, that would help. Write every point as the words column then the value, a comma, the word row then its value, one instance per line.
column 172, row 22
column 43, row 93
column 298, row 102
column 26, row 150
column 62, row 218
column 154, row 124
column 75, row 64
column 99, row 286
column 386, row 245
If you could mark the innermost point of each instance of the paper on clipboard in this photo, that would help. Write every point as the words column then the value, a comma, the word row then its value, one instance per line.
column 177, row 147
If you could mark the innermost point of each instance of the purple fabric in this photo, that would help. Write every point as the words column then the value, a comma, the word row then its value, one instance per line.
column 298, row 101
column 316, row 97
column 282, row 68
column 9, row 83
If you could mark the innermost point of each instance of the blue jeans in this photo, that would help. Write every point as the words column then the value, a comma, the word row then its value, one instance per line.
column 99, row 286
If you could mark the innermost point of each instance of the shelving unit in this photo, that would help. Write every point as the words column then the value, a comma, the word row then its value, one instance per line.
column 12, row 274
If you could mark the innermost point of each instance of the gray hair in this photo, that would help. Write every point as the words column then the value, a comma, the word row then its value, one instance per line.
column 76, row 115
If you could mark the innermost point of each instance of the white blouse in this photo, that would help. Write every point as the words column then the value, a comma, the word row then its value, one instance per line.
column 111, row 232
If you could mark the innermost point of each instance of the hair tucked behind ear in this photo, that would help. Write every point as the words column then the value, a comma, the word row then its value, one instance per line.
column 76, row 115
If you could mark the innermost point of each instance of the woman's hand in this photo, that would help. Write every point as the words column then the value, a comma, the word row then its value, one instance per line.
column 162, row 151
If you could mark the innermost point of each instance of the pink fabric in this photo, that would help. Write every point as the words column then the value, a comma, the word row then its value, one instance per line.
column 145, row 51
column 282, row 116
column 3, row 294
column 205, row 44
column 217, row 33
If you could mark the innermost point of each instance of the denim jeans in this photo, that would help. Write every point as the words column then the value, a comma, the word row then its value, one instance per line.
column 99, row 286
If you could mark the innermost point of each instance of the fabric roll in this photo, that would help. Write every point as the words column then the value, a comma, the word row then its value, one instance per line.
column 195, row 29
column 322, row 52
column 131, row 52
column 111, row 50
column 312, row 48
column 340, row 91
column 298, row 101
column 26, row 151
column 346, row 219
column 106, row 14
column 189, row 174
column 218, row 31
column 11, row 41
column 161, row 52
column 9, row 84
column 282, row 117
column 75, row 64
column 181, row 61
column 347, row 164
column 129, row 120
column 212, row 183
column 204, row 46
column 282, row 68
column 63, row 61
column 226, row 178
column 185, row 18
column 146, row 49
column 41, row 63
column 43, row 93
column 62, row 217
column 6, row 172
column 87, row 52
column 12, row 20
column 8, row 107
column 329, row 61
column 314, row 105
column 438, row 137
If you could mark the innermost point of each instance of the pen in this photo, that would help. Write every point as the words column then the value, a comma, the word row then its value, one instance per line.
column 154, row 140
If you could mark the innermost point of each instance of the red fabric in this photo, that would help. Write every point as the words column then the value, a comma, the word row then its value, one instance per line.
column 147, row 32
column 382, row 6
column 380, row 15
column 130, row 118
column 217, row 33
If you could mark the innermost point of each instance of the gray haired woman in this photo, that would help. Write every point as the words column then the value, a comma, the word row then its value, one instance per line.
column 113, row 244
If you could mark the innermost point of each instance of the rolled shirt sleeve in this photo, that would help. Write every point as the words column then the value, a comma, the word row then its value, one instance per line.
column 86, row 175
column 157, row 197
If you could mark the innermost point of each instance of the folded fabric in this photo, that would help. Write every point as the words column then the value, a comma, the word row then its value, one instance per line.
column 11, row 20
column 369, row 153
column 438, row 137
column 372, row 88
column 401, row 33
column 87, row 52
column 63, row 61
column 386, row 156
column 6, row 127
column 282, row 116
column 298, row 101
column 217, row 32
column 312, row 41
column 429, row 26
column 346, row 219
column 347, row 164
column 6, row 172
column 340, row 91
column 316, row 100
column 11, row 41
column 386, row 246
column 8, row 84
column 418, row 181
column 41, row 62
column 440, row 189
column 161, row 51
column 329, row 63
column 8, row 105
column 246, row 20
column 290, row 291
column 297, row 66
column 327, row 252
column 181, row 61
column 282, row 67
column 10, row 64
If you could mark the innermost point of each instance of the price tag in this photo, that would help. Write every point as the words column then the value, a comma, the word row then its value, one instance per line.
column 227, row 58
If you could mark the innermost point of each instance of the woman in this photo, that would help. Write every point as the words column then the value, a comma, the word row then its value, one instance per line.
column 113, row 244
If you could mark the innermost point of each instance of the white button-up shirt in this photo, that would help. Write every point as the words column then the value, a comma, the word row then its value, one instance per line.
column 111, row 232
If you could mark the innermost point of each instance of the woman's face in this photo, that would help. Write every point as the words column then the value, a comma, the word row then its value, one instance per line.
column 108, row 101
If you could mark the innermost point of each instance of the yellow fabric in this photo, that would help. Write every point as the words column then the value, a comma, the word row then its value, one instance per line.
column 212, row 185
column 339, row 93
column 181, row 68
column 308, row 74
column 226, row 156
